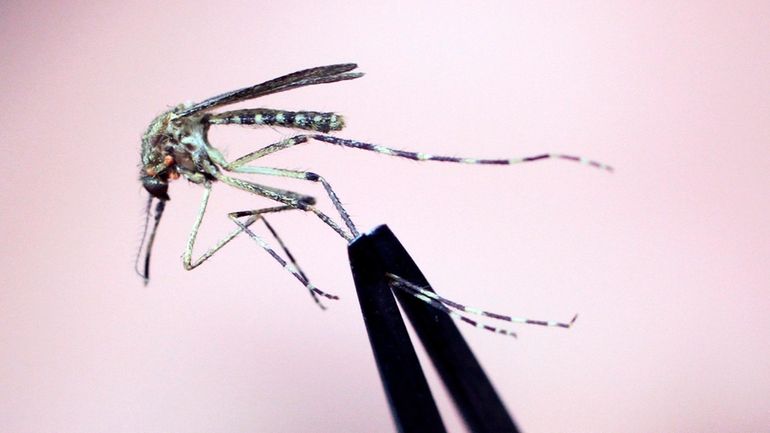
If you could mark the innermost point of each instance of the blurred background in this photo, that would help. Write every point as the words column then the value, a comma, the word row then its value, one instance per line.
column 666, row 260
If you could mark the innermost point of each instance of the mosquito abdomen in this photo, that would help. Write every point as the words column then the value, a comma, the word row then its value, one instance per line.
column 309, row 120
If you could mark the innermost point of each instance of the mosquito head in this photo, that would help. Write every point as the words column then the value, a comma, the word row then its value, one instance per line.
column 156, row 186
column 158, row 164
column 158, row 167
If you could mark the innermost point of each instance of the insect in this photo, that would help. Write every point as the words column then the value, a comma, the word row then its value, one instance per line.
column 176, row 145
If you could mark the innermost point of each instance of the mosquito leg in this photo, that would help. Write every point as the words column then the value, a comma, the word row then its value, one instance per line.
column 291, row 267
column 259, row 153
column 304, row 175
column 238, row 167
column 283, row 247
column 187, row 259
column 289, row 198
column 433, row 302
column 416, row 290
column 291, row 258
column 254, row 215
column 418, row 156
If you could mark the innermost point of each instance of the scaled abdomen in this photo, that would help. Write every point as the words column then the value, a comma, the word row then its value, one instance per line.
column 308, row 120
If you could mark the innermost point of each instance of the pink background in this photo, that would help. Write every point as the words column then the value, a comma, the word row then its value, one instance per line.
column 666, row 260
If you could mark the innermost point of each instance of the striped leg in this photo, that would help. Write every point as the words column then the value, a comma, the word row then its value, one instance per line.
column 417, row 156
column 291, row 267
column 293, row 199
column 190, row 264
column 238, row 165
column 305, row 175
column 435, row 303
column 187, row 260
column 289, row 255
column 426, row 296
column 259, row 153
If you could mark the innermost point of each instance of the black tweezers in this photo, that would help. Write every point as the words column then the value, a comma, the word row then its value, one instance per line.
column 372, row 256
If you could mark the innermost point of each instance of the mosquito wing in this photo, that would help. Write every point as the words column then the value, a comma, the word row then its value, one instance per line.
column 306, row 77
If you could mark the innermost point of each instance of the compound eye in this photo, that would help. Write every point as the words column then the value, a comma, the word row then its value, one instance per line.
column 156, row 187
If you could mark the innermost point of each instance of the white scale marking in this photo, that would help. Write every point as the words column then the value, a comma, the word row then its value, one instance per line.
column 384, row 150
column 429, row 294
column 422, row 298
column 334, row 122
column 261, row 242
column 474, row 310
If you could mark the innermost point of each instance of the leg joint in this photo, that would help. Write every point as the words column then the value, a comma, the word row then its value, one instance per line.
column 313, row 177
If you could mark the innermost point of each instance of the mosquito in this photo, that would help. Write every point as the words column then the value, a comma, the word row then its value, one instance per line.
column 176, row 145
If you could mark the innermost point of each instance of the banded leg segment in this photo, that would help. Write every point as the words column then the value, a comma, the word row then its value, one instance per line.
column 419, row 156
column 433, row 298
column 254, row 215
column 264, row 151
column 291, row 267
column 415, row 156
column 435, row 303
column 187, row 259
column 310, row 176
column 238, row 166
column 283, row 246
column 289, row 198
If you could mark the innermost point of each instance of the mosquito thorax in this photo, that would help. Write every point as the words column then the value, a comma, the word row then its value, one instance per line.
column 174, row 146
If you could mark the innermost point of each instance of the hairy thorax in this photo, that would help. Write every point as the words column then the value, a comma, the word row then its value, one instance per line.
column 176, row 146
